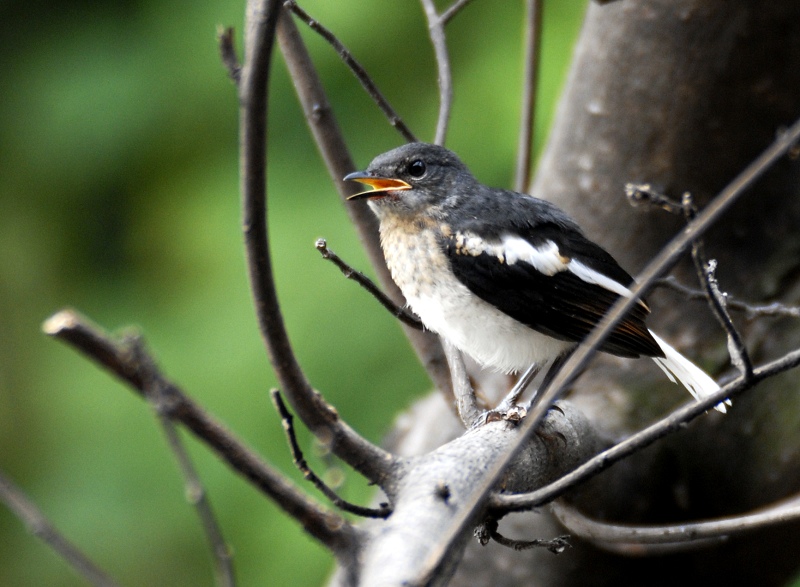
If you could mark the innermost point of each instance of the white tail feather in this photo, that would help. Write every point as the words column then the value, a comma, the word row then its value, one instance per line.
column 693, row 378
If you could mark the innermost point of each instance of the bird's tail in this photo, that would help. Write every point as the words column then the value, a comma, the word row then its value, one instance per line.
column 693, row 378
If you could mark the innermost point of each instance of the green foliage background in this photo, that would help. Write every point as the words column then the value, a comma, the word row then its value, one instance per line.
column 119, row 197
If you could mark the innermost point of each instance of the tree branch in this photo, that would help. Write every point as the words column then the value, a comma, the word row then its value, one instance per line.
column 38, row 524
column 604, row 533
column 530, row 77
column 436, row 31
column 309, row 475
column 337, row 158
column 120, row 359
column 361, row 74
column 671, row 423
column 371, row 461
column 397, row 311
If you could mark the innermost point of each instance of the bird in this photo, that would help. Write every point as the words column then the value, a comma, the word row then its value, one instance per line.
column 507, row 278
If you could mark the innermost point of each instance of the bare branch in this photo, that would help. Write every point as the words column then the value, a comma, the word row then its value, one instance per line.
column 436, row 31
column 671, row 423
column 466, row 402
column 321, row 419
column 119, row 358
column 227, row 51
column 154, row 392
column 533, row 30
column 662, row 262
column 38, row 524
column 751, row 311
column 309, row 475
column 601, row 533
column 358, row 70
column 398, row 312
column 339, row 163
column 454, row 9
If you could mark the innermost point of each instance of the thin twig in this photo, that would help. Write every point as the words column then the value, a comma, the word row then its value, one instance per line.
column 397, row 311
column 155, row 393
column 445, row 78
column 706, row 272
column 533, row 29
column 784, row 511
column 671, row 423
column 751, row 311
column 325, row 526
column 643, row 194
column 454, row 9
column 38, row 525
column 227, row 51
column 466, row 403
column 661, row 263
column 367, row 458
column 358, row 70
column 337, row 158
column 309, row 475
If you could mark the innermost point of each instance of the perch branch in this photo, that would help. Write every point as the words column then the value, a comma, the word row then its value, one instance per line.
column 397, row 311
column 337, row 158
column 371, row 461
column 660, row 264
column 533, row 29
column 327, row 527
column 358, row 70
column 309, row 475
column 38, row 525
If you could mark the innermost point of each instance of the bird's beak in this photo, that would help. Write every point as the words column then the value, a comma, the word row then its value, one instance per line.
column 379, row 185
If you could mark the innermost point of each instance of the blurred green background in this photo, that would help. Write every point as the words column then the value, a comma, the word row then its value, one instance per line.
column 119, row 197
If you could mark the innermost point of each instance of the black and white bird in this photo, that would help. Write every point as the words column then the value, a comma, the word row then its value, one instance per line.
column 507, row 278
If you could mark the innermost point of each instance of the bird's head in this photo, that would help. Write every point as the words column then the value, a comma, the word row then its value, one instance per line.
column 412, row 180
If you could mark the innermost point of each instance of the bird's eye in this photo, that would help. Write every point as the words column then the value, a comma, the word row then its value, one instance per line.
column 417, row 168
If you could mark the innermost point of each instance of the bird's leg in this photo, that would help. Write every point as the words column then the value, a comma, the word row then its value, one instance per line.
column 522, row 383
column 552, row 370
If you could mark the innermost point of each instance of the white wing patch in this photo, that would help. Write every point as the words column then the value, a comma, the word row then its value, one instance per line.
column 589, row 275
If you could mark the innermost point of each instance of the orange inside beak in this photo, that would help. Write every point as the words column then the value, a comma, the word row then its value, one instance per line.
column 379, row 185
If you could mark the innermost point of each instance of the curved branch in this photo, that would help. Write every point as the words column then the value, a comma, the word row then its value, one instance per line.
column 322, row 419
column 530, row 77
column 337, row 158
column 602, row 533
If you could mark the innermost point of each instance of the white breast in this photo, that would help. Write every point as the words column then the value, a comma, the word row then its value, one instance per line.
column 450, row 309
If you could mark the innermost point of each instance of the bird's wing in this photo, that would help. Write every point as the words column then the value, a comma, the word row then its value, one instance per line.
column 552, row 279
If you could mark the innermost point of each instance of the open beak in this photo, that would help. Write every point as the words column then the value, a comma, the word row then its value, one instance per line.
column 379, row 185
